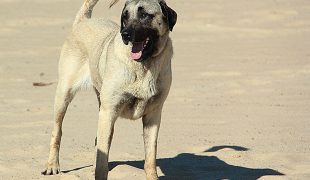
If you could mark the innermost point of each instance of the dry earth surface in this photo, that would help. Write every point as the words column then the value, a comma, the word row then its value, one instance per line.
column 239, row 106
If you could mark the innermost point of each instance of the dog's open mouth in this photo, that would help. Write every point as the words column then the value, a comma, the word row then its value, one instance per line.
column 138, row 48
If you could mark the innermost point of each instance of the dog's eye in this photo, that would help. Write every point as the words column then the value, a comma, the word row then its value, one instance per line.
column 144, row 15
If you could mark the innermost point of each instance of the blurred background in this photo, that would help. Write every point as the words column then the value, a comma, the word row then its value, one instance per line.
column 239, row 106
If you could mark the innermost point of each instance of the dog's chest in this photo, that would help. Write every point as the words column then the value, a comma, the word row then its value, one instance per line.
column 140, row 93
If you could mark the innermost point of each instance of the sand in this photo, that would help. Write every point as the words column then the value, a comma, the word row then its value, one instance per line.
column 239, row 106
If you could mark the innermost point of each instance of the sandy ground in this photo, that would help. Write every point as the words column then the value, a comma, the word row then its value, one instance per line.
column 239, row 107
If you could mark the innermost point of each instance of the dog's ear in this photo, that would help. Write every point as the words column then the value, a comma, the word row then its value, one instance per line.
column 170, row 14
column 122, row 19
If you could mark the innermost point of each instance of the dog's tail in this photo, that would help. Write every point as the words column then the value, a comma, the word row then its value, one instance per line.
column 85, row 11
column 113, row 2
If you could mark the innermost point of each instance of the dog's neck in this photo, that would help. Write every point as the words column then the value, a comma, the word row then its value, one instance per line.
column 162, row 41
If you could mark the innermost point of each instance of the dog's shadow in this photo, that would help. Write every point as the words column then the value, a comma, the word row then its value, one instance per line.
column 195, row 167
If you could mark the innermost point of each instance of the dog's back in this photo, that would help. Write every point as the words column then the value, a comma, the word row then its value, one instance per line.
column 91, row 33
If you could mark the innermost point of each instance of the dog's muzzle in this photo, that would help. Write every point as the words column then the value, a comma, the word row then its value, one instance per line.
column 139, row 39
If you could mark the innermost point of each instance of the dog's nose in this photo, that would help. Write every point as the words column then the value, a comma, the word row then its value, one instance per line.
column 126, row 36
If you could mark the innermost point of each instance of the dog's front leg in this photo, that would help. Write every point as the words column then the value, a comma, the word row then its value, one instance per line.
column 151, row 124
column 104, row 138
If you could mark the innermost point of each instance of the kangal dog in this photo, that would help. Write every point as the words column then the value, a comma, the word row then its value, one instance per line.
column 129, row 67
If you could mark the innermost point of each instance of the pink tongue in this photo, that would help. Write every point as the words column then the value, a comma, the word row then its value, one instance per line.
column 136, row 55
column 137, row 48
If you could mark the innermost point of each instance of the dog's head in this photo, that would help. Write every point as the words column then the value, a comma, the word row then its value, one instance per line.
column 146, row 25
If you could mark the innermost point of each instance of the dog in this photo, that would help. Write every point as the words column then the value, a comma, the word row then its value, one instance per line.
column 128, row 66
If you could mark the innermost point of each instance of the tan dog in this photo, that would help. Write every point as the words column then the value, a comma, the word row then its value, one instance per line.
column 129, row 68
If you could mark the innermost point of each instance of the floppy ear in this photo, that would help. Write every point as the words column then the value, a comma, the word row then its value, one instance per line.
column 122, row 19
column 170, row 14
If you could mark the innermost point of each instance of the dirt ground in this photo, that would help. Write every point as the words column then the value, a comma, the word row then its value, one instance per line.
column 239, row 106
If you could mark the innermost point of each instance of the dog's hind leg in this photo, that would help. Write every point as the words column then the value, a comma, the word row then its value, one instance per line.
column 73, row 73
column 62, row 100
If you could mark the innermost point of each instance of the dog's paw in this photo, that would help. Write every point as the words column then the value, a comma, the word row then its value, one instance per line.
column 51, row 169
